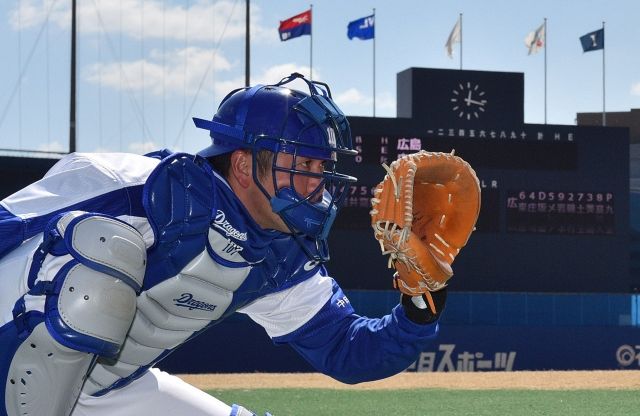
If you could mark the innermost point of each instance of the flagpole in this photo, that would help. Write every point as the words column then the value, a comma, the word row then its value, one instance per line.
column 374, row 63
column 546, row 44
column 247, row 47
column 311, row 43
column 460, row 40
column 72, row 94
column 604, row 114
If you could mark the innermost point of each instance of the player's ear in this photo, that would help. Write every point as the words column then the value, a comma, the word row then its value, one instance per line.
column 241, row 164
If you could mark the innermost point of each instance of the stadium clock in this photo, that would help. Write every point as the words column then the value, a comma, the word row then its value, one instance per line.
column 468, row 100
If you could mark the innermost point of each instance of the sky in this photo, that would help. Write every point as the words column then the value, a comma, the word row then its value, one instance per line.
column 145, row 67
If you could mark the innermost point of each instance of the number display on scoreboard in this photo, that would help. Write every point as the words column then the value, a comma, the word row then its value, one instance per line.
column 560, row 212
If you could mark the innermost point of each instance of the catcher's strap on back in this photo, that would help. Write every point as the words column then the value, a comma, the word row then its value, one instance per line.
column 423, row 213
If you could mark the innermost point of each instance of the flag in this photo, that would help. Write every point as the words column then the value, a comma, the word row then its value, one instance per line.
column 454, row 37
column 295, row 26
column 535, row 40
column 363, row 28
column 593, row 41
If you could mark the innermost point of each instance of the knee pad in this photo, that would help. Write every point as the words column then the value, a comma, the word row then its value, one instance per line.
column 84, row 311
column 44, row 377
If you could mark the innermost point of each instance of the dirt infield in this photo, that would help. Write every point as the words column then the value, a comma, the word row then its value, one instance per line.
column 537, row 380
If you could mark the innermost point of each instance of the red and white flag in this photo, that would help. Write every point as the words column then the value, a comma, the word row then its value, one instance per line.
column 535, row 40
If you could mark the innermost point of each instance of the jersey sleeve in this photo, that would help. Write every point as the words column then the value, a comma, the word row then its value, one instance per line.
column 77, row 178
column 107, row 183
column 316, row 318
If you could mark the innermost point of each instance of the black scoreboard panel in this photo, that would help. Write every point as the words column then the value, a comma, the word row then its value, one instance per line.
column 460, row 96
column 18, row 172
column 554, row 215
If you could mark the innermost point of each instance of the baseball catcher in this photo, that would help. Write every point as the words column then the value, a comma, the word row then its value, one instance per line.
column 112, row 261
column 423, row 213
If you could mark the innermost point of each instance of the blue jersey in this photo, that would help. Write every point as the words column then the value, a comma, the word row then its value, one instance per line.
column 207, row 259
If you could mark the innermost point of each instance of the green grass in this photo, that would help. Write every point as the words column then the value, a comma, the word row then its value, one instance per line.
column 437, row 402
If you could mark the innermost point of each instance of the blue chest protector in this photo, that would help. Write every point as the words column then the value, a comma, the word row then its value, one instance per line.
column 182, row 197
column 179, row 198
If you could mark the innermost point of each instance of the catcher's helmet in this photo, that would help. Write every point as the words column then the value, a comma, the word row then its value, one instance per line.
column 280, row 119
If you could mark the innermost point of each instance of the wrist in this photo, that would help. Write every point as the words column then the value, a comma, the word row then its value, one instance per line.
column 417, row 308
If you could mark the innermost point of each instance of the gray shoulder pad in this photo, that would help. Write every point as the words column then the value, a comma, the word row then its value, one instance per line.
column 105, row 244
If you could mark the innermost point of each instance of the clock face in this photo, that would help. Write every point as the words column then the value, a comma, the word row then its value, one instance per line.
column 468, row 100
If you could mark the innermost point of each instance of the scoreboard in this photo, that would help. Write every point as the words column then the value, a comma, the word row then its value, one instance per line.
column 555, row 199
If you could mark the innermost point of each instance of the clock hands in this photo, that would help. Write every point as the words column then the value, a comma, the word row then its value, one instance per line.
column 464, row 95
column 469, row 101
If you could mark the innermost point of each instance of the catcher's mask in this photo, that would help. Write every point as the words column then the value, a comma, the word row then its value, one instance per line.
column 283, row 120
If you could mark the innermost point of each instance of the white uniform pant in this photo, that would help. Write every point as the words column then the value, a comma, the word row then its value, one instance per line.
column 156, row 393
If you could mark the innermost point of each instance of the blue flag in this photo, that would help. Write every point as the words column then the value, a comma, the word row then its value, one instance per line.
column 363, row 28
column 593, row 41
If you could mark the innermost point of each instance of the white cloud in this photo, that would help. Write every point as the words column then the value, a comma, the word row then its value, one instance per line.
column 142, row 147
column 102, row 149
column 181, row 71
column 352, row 96
column 203, row 21
column 635, row 89
column 270, row 76
column 354, row 102
column 30, row 13
column 54, row 146
column 277, row 72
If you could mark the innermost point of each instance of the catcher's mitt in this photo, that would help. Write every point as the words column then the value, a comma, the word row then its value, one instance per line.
column 423, row 213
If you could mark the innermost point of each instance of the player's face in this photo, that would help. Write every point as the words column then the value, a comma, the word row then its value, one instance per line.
column 304, row 185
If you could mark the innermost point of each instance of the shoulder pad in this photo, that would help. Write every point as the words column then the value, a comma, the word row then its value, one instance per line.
column 178, row 197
